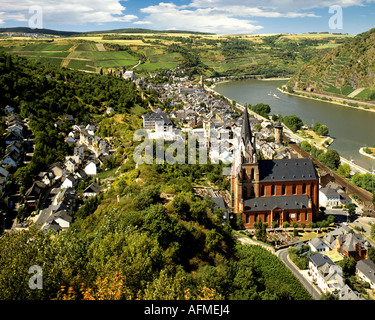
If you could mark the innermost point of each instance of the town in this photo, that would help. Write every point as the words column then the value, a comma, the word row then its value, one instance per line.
column 194, row 109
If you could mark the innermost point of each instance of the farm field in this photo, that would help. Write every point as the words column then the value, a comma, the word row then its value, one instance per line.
column 220, row 55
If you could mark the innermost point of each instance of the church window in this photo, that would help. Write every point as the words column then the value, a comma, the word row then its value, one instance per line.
column 304, row 188
column 272, row 190
column 294, row 189
column 283, row 190
column 262, row 191
column 298, row 216
column 245, row 192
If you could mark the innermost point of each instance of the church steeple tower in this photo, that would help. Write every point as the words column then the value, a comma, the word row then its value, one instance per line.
column 245, row 180
column 248, row 148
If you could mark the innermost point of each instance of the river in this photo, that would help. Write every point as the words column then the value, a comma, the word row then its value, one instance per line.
column 351, row 128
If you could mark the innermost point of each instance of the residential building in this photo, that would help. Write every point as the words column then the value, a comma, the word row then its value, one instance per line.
column 346, row 293
column 92, row 190
column 318, row 245
column 91, row 168
column 62, row 218
column 12, row 158
column 365, row 271
column 352, row 245
column 157, row 121
column 327, row 275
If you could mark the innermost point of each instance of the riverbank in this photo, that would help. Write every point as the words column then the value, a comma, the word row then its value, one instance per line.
column 334, row 100
column 362, row 152
column 355, row 167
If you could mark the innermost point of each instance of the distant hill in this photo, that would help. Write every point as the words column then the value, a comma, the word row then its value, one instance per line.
column 141, row 30
column 72, row 33
column 39, row 31
column 347, row 70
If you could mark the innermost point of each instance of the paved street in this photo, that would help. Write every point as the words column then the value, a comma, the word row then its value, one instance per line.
column 283, row 256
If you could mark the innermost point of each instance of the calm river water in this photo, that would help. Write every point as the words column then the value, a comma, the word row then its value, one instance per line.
column 351, row 128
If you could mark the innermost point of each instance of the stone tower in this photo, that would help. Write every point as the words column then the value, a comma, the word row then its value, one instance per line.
column 278, row 132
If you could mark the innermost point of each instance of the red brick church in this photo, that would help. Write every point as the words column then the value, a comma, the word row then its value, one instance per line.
column 272, row 190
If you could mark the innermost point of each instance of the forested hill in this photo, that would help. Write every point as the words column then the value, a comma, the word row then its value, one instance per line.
column 44, row 93
column 342, row 70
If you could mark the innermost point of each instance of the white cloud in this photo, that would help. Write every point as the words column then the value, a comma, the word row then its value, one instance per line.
column 68, row 12
column 169, row 15
column 142, row 22
column 280, row 5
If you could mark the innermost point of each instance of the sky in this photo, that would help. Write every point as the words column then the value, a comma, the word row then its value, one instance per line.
column 213, row 16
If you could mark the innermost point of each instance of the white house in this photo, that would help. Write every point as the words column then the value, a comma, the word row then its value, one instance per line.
column 69, row 182
column 326, row 273
column 92, row 190
column 365, row 271
column 329, row 197
column 317, row 244
column 62, row 218
column 91, row 168
column 129, row 75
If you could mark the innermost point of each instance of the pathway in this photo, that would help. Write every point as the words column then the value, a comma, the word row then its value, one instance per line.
column 355, row 92
column 100, row 47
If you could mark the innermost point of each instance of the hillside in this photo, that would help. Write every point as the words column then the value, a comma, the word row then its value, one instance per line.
column 211, row 55
column 129, row 242
column 346, row 71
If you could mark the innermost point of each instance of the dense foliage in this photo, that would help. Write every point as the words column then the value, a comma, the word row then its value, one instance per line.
column 44, row 93
column 140, row 246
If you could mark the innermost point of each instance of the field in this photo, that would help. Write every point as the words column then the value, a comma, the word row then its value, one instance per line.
column 224, row 55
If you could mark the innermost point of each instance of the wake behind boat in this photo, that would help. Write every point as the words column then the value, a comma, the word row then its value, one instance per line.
column 273, row 95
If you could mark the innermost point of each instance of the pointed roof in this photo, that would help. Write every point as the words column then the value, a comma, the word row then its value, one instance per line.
column 246, row 129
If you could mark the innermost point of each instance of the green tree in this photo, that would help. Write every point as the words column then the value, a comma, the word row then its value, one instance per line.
column 293, row 122
column 351, row 209
column 344, row 170
column 323, row 130
column 331, row 159
column 348, row 266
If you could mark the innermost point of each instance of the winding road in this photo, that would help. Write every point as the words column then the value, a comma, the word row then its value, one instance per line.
column 283, row 256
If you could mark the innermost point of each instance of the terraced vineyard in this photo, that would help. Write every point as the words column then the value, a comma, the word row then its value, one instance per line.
column 211, row 55
column 347, row 71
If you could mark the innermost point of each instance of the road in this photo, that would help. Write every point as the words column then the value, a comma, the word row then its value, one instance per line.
column 314, row 292
column 283, row 256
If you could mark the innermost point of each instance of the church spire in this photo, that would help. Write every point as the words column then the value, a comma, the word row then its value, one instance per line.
column 247, row 139
column 246, row 129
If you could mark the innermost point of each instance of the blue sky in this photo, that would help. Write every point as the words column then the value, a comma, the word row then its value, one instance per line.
column 216, row 16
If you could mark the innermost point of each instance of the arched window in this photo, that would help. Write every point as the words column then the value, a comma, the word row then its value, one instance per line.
column 252, row 174
column 244, row 177
column 304, row 188
column 298, row 216
column 283, row 190
column 294, row 189
column 244, row 192
column 311, row 190
column 252, row 193
column 272, row 190
column 262, row 191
